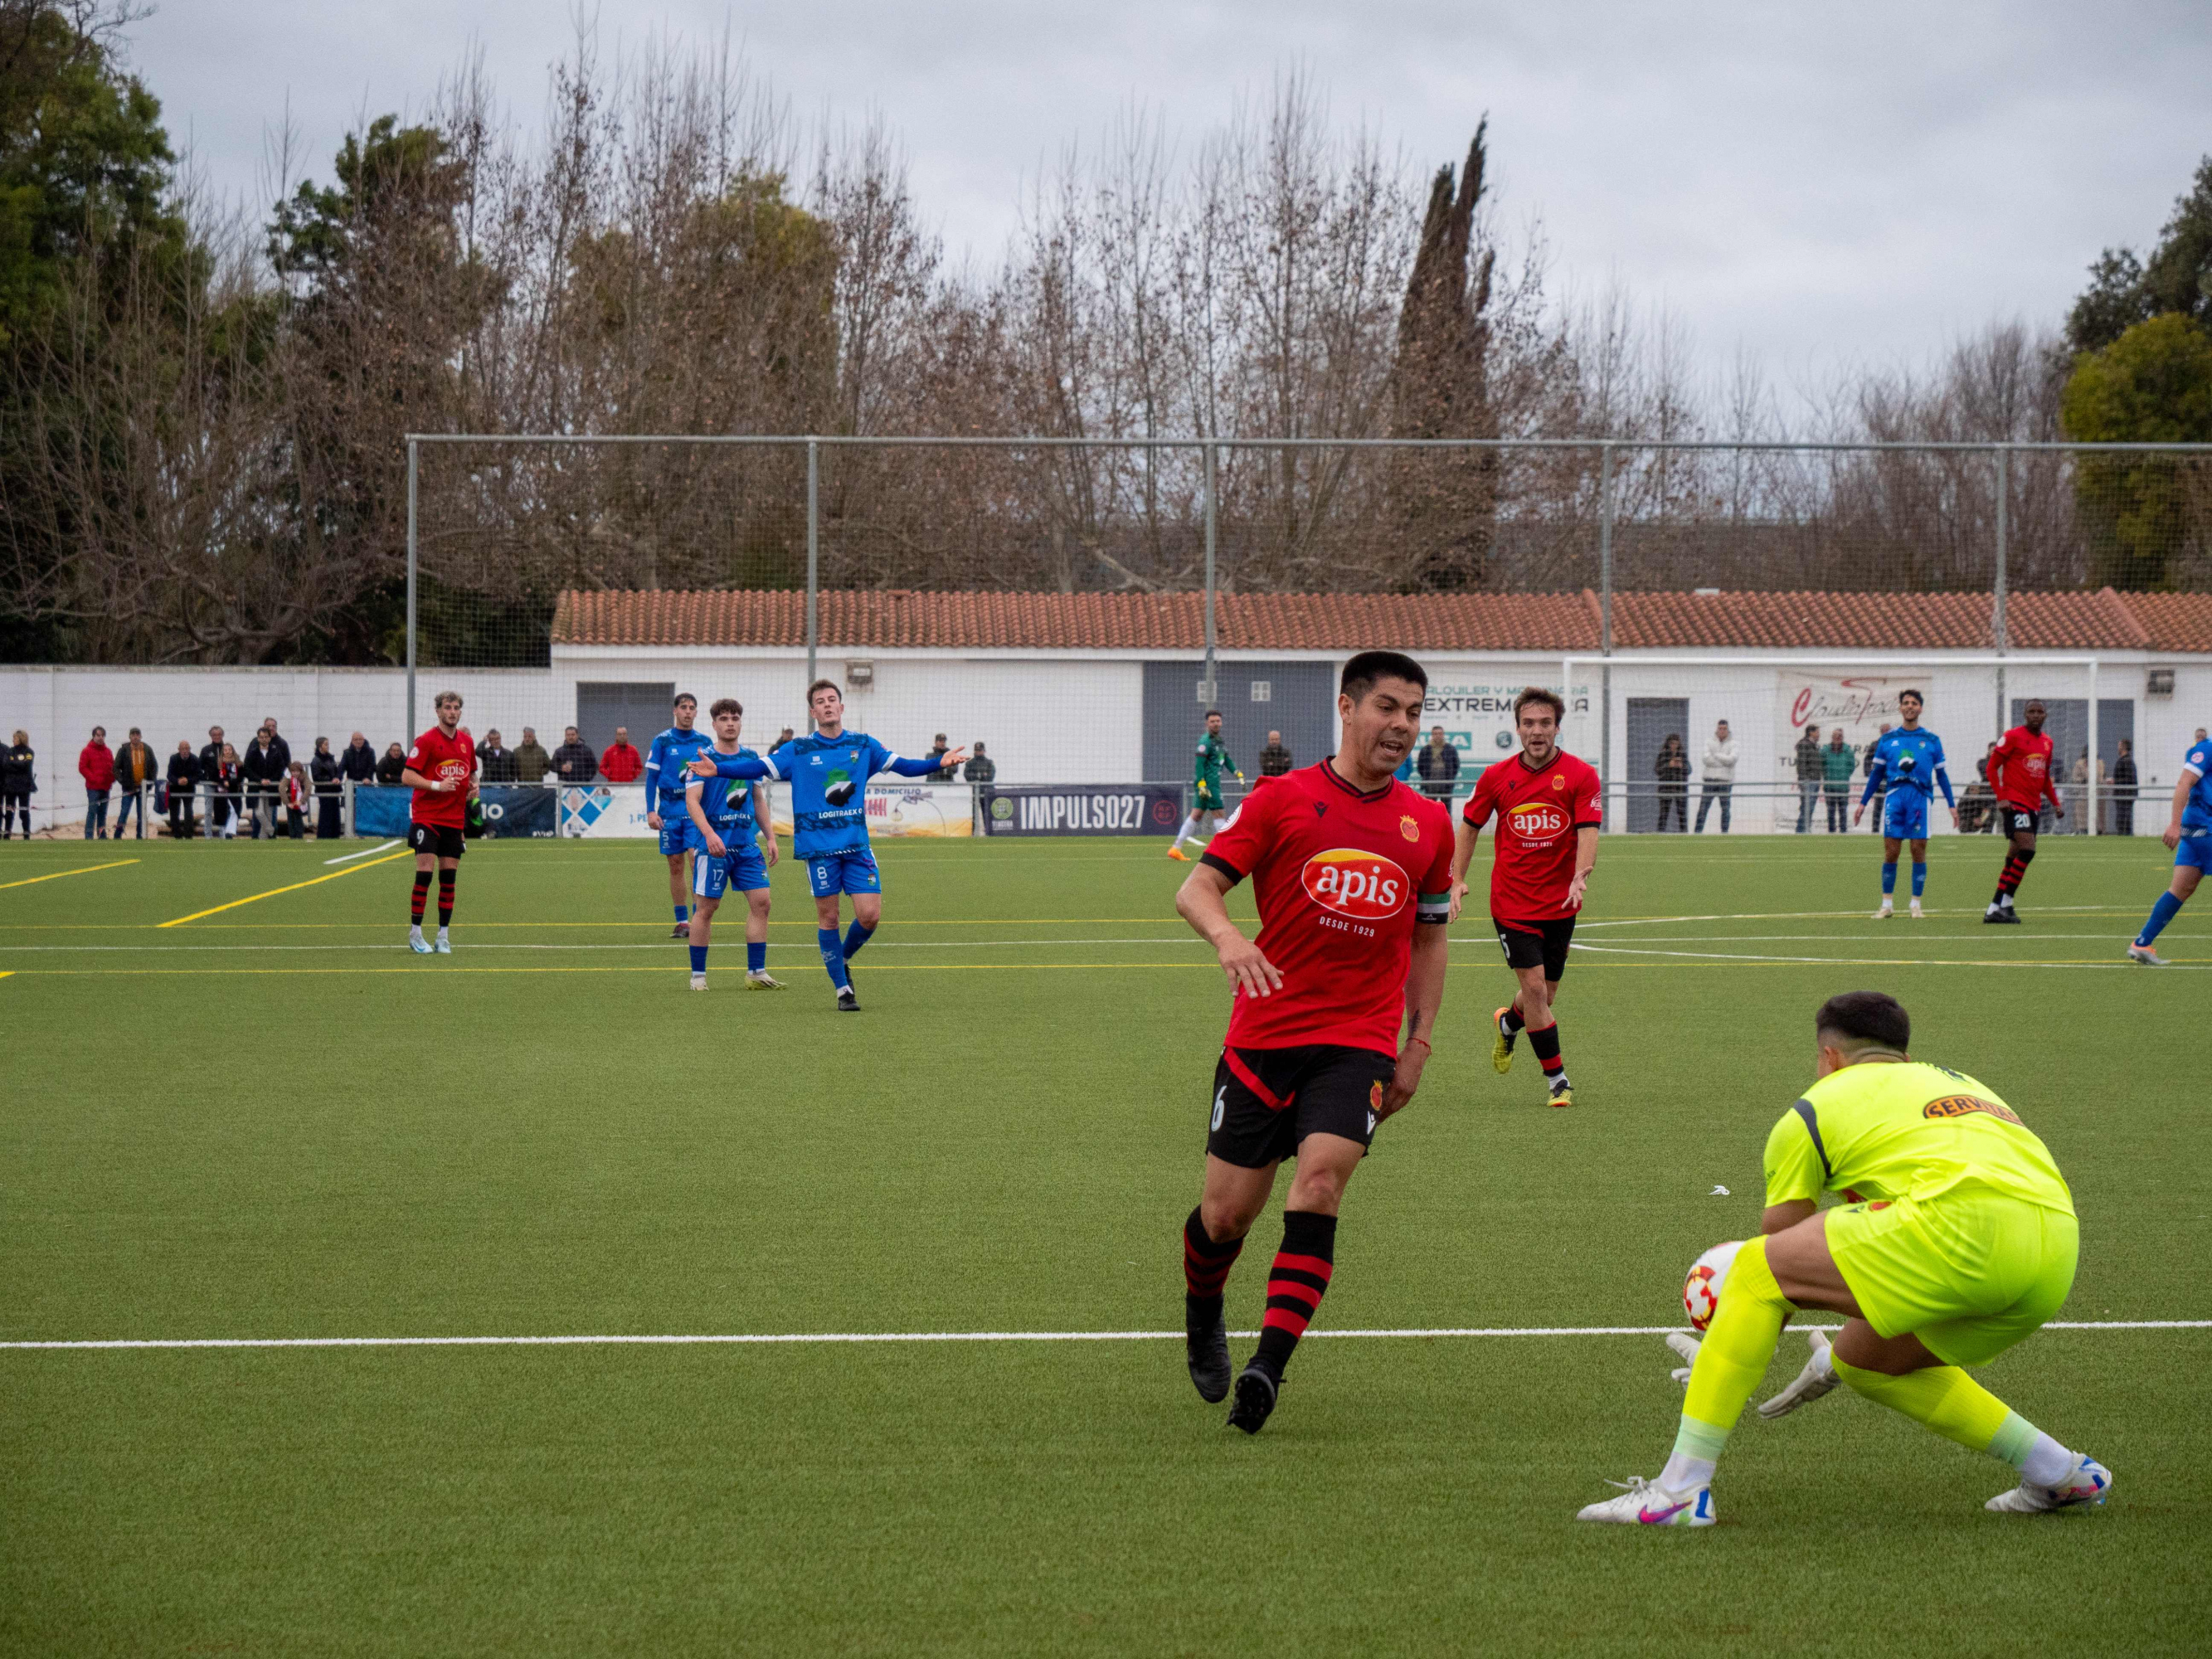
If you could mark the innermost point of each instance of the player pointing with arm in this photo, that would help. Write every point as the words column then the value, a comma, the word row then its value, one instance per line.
column 1907, row 764
column 1346, row 866
column 2188, row 834
column 1957, row 1238
column 829, row 771
column 1546, row 805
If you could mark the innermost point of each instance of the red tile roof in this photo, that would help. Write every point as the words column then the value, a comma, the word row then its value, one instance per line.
column 891, row 618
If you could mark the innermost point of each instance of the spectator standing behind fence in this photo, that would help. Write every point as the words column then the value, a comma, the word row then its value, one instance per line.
column 298, row 792
column 1671, row 769
column 211, row 771
column 325, row 773
column 228, row 778
column 135, row 769
column 531, row 763
column 1717, row 775
column 265, row 770
column 623, row 763
column 981, row 768
column 2123, row 790
column 1812, row 773
column 573, row 761
column 392, row 762
column 95, row 764
column 944, row 773
column 1438, row 764
column 495, row 763
column 19, row 782
column 357, row 761
column 184, row 783
column 1275, row 759
column 1837, row 763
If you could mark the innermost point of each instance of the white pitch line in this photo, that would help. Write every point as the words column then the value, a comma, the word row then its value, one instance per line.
column 348, row 857
column 1876, row 962
column 786, row 1338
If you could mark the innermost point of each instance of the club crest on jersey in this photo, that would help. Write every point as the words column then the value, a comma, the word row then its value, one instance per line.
column 1408, row 828
column 1960, row 1105
column 1366, row 886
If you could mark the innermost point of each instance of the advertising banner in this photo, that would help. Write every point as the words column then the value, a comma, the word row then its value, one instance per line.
column 1477, row 716
column 898, row 809
column 1863, row 705
column 1083, row 808
column 379, row 811
column 596, row 810
column 517, row 809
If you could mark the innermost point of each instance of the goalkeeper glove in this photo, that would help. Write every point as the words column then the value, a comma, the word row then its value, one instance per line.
column 1687, row 1345
column 1818, row 1377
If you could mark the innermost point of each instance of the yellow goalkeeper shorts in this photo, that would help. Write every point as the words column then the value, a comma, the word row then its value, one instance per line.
column 1968, row 1273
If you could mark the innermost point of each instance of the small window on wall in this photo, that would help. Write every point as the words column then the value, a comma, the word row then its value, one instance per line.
column 1263, row 691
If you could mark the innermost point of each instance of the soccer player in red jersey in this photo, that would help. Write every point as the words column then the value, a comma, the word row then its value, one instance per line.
column 1347, row 863
column 441, row 769
column 1545, row 802
column 2019, row 777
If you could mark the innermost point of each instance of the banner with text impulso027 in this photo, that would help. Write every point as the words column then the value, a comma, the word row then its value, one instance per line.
column 1083, row 808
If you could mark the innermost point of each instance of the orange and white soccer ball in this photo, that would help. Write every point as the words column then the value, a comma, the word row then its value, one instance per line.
column 1701, row 1291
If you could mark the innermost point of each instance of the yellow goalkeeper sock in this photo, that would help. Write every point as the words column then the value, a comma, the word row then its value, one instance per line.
column 1951, row 1403
column 1730, row 1362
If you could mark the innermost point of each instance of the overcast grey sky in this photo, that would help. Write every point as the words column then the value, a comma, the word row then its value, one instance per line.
column 1819, row 184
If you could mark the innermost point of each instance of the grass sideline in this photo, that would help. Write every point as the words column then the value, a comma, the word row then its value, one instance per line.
column 273, row 1123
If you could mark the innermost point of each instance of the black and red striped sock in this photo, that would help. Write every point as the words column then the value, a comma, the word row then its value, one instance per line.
column 1295, row 1285
column 1514, row 1023
column 421, row 894
column 1206, row 1263
column 2015, row 871
column 445, row 896
column 1545, row 1042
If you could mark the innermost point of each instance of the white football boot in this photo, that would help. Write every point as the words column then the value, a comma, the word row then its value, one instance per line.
column 1887, row 910
column 2091, row 1482
column 1918, row 914
column 1642, row 1503
column 698, row 982
column 2148, row 957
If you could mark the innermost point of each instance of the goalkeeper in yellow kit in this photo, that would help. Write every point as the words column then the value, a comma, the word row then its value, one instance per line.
column 1957, row 1238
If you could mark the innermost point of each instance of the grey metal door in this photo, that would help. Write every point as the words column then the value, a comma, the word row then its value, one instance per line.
column 1297, row 699
column 2068, row 728
column 602, row 705
column 1651, row 722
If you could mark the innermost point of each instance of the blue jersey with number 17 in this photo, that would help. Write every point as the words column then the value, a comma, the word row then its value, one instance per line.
column 726, row 804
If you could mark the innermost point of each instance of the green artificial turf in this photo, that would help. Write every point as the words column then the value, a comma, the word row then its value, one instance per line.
column 272, row 1122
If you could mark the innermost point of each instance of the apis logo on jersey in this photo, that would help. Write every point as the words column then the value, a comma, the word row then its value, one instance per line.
column 1537, row 820
column 1365, row 886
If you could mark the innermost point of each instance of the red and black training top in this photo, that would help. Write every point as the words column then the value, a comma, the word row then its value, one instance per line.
column 1340, row 877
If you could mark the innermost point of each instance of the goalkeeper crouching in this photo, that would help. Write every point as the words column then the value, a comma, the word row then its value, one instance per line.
column 1956, row 1239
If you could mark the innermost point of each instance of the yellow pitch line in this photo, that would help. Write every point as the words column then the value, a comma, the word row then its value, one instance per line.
column 335, row 875
column 677, row 967
column 81, row 869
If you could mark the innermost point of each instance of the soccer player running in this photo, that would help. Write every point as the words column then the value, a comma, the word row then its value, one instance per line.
column 665, row 780
column 442, row 770
column 1957, row 1239
column 828, row 770
column 1907, row 765
column 2019, row 778
column 2188, row 834
column 1346, row 862
column 727, row 818
column 1545, row 802
column 1206, row 785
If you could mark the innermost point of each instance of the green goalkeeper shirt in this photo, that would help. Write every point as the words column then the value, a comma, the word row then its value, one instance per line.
column 1212, row 760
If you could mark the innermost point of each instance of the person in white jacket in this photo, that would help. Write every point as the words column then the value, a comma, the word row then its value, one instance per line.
column 1719, row 777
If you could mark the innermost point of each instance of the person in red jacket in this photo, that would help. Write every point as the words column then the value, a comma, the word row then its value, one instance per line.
column 622, row 763
column 95, row 764
column 2019, row 777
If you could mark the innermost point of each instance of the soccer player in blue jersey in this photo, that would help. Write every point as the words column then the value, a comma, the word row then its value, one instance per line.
column 1907, row 765
column 665, row 761
column 2189, row 833
column 828, row 770
column 725, row 816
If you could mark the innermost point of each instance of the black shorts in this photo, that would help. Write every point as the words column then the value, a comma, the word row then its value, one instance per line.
column 446, row 841
column 1266, row 1100
column 2014, row 820
column 1536, row 944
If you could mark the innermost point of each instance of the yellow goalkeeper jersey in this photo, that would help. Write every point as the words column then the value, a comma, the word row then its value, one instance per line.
column 1907, row 1129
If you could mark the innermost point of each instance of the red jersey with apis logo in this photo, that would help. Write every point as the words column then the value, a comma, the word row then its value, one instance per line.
column 1538, row 810
column 441, row 758
column 1341, row 880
